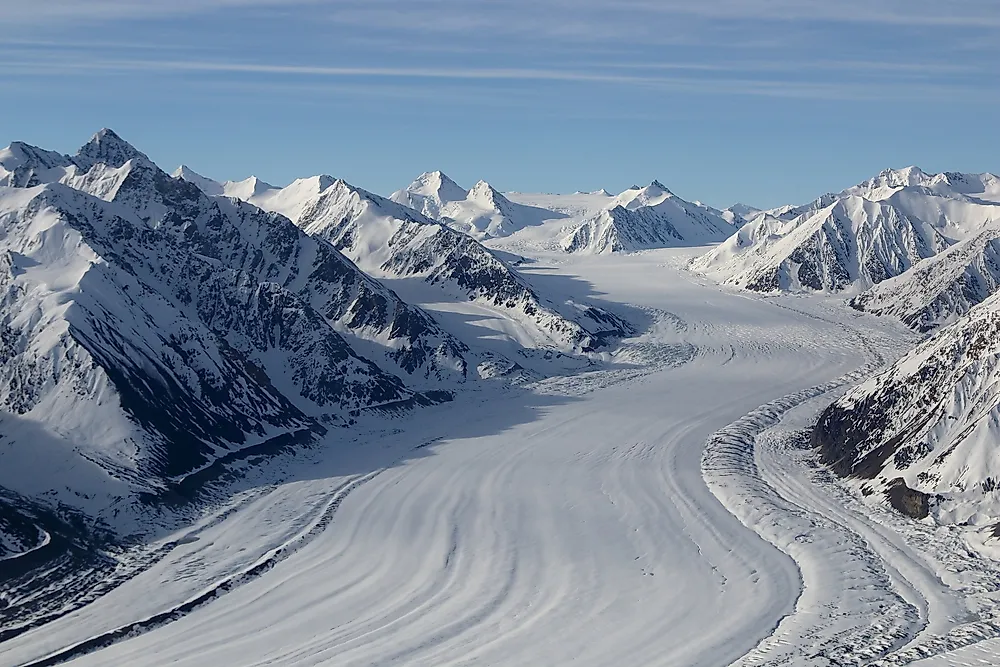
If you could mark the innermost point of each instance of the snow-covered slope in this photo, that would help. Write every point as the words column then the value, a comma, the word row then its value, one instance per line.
column 852, row 241
column 482, row 211
column 939, row 289
column 402, row 338
column 739, row 214
column 142, row 359
column 948, row 185
column 644, row 218
column 393, row 241
column 932, row 420
column 429, row 193
column 858, row 237
column 148, row 329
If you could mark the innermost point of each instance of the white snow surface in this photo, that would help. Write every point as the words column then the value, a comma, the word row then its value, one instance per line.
column 940, row 405
column 940, row 289
column 481, row 211
column 859, row 237
column 659, row 511
column 645, row 218
column 396, row 243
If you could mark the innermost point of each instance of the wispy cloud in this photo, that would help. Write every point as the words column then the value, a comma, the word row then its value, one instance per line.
column 567, row 17
column 689, row 78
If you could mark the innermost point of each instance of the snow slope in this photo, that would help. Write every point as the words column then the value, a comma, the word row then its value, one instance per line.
column 481, row 211
column 402, row 338
column 859, row 237
column 928, row 424
column 852, row 242
column 939, row 289
column 644, row 218
column 392, row 241
column 570, row 524
column 149, row 330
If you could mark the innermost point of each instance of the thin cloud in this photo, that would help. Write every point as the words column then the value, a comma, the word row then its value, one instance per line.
column 568, row 17
column 845, row 90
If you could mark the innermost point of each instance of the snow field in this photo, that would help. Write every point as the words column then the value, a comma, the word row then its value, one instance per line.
column 567, row 523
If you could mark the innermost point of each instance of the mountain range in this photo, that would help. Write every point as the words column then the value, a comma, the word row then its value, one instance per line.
column 867, row 234
column 155, row 324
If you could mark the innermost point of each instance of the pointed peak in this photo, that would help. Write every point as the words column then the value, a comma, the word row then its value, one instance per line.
column 339, row 187
column 324, row 181
column 656, row 188
column 316, row 184
column 206, row 185
column 435, row 178
column 484, row 193
column 247, row 188
column 106, row 147
column 437, row 186
column 185, row 172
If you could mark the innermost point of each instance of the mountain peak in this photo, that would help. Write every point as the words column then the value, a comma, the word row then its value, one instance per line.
column 108, row 148
column 429, row 192
column 485, row 194
column 247, row 188
column 482, row 186
column 313, row 184
column 206, row 185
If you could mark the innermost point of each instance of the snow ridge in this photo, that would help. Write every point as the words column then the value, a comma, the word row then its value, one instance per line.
column 859, row 237
column 392, row 240
column 482, row 211
column 644, row 218
column 925, row 430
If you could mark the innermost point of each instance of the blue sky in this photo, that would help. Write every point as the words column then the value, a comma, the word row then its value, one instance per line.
column 761, row 101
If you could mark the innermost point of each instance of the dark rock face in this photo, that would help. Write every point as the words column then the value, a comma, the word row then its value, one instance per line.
column 202, row 377
column 267, row 246
column 906, row 501
column 849, row 440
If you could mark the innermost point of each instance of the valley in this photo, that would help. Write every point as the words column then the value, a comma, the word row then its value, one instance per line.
column 309, row 425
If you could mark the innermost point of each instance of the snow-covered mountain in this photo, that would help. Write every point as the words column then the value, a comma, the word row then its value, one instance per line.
column 429, row 193
column 851, row 241
column 482, row 211
column 270, row 247
column 942, row 288
column 738, row 214
column 393, row 241
column 644, row 218
column 859, row 237
column 148, row 329
column 925, row 431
